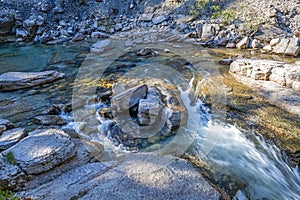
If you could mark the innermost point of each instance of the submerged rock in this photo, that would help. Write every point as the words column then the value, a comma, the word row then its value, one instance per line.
column 101, row 46
column 18, row 80
column 42, row 150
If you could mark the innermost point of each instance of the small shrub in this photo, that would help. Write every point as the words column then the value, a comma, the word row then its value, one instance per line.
column 228, row 16
column 7, row 195
column 9, row 157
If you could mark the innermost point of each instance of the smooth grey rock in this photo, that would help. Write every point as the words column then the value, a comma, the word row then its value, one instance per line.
column 49, row 120
column 243, row 43
column 281, row 47
column 230, row 45
column 296, row 86
column 11, row 176
column 208, row 32
column 98, row 34
column 150, row 108
column 19, row 80
column 75, row 182
column 118, row 88
column 152, row 176
column 42, row 150
column 129, row 98
column 11, row 137
column 146, row 17
column 21, row 33
column 293, row 48
column 78, row 37
column 159, row 19
column 275, row 41
column 101, row 46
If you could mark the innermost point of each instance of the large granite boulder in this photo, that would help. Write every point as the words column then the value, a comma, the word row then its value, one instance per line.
column 139, row 176
column 42, row 150
column 19, row 80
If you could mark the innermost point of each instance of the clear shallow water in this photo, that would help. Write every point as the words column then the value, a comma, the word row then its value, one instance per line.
column 239, row 161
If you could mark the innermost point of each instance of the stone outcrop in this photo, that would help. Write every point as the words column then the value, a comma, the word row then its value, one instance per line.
column 18, row 80
column 42, row 150
column 139, row 176
column 282, row 73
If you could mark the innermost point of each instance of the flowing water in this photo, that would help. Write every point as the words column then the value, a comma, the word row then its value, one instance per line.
column 240, row 161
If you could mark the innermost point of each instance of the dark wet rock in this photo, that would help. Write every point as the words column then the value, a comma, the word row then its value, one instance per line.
column 104, row 96
column 49, row 120
column 52, row 110
column 146, row 52
column 42, row 150
column 11, row 137
column 6, row 25
column 226, row 61
column 7, row 124
column 19, row 80
column 101, row 46
column 107, row 113
column 129, row 98
column 11, row 176
column 78, row 37
column 2, row 128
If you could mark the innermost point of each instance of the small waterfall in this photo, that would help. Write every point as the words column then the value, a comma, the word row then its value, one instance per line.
column 257, row 169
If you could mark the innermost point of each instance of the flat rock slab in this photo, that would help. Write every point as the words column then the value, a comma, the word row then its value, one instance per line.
column 281, row 96
column 11, row 137
column 18, row 80
column 42, row 150
column 140, row 176
column 152, row 176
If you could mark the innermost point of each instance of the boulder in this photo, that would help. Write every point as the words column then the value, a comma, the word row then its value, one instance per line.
column 243, row 43
column 78, row 37
column 129, row 98
column 18, row 80
column 42, row 150
column 101, row 46
column 50, row 120
column 146, row 17
column 281, row 46
column 293, row 48
column 11, row 137
column 98, row 34
column 150, row 108
column 208, row 32
column 278, row 75
column 159, row 19
column 6, row 25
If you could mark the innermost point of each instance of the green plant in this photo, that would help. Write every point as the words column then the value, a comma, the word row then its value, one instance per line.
column 12, row 15
column 8, row 195
column 9, row 157
column 228, row 16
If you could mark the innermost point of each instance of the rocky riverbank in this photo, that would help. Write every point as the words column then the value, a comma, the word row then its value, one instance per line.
column 56, row 155
column 232, row 24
